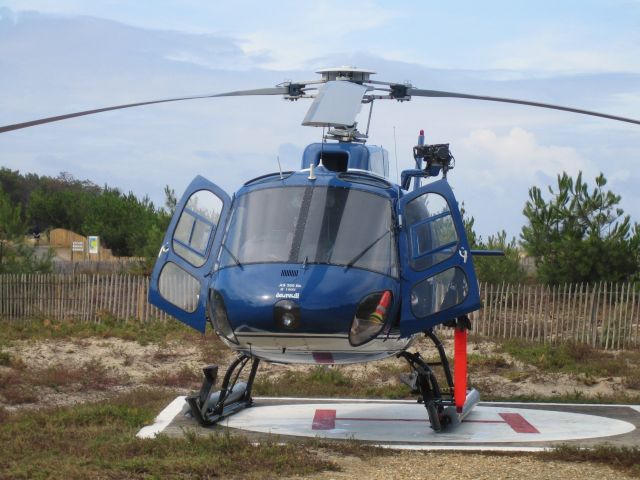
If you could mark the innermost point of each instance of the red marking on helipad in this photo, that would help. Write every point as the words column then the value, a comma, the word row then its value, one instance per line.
column 518, row 423
column 322, row 357
column 326, row 420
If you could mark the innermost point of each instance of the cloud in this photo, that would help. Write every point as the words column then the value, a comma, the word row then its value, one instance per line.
column 518, row 154
column 52, row 65
column 325, row 27
column 495, row 171
column 569, row 51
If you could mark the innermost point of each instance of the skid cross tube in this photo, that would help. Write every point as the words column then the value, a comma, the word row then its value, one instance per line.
column 209, row 408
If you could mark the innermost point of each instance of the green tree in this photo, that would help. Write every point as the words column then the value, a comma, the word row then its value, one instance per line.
column 156, row 233
column 12, row 226
column 170, row 200
column 507, row 268
column 127, row 225
column 15, row 255
column 580, row 235
column 122, row 221
column 60, row 202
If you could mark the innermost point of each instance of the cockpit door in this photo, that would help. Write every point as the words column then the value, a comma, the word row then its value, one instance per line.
column 438, row 279
column 180, row 276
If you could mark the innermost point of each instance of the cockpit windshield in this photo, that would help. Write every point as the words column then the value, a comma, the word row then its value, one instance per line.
column 327, row 225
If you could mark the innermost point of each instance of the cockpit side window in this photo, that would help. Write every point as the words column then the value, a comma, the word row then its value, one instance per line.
column 196, row 225
column 433, row 233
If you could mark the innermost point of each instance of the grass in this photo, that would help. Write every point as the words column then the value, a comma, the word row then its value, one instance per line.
column 17, row 385
column 98, row 441
column 324, row 381
column 185, row 377
column 625, row 459
column 491, row 362
column 574, row 358
column 632, row 380
column 5, row 359
column 143, row 333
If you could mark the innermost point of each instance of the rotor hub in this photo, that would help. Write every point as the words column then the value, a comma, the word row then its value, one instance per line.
column 351, row 74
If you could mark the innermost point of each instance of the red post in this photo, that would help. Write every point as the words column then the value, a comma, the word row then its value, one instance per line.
column 460, row 368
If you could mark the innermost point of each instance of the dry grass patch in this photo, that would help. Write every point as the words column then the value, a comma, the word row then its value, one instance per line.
column 324, row 381
column 98, row 441
column 5, row 359
column 632, row 380
column 185, row 378
column 21, row 385
column 571, row 357
column 488, row 362
column 108, row 327
column 14, row 390
column 626, row 459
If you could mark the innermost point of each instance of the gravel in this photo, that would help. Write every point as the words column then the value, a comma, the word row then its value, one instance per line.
column 463, row 466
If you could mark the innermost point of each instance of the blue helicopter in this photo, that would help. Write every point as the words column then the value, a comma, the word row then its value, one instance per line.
column 330, row 264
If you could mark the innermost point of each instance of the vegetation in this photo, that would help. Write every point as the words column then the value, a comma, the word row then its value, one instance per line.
column 507, row 268
column 127, row 225
column 626, row 459
column 17, row 385
column 98, row 441
column 576, row 358
column 15, row 255
column 580, row 236
column 327, row 381
column 143, row 333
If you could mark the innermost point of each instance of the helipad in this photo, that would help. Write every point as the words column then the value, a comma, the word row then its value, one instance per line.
column 404, row 424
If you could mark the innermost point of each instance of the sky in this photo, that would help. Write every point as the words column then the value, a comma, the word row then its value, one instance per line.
column 70, row 55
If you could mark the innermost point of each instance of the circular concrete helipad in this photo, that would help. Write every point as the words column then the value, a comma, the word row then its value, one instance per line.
column 404, row 424
column 407, row 423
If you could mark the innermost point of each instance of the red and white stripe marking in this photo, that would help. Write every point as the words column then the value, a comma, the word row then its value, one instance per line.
column 404, row 424
column 325, row 419
column 408, row 423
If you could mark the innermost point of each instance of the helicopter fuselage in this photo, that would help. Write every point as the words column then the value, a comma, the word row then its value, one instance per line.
column 298, row 258
column 329, row 264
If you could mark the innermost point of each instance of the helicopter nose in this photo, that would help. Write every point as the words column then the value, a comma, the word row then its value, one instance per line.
column 286, row 315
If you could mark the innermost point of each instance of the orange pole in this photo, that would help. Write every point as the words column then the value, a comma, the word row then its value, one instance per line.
column 460, row 368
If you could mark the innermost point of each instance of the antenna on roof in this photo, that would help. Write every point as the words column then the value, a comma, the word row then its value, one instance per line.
column 280, row 168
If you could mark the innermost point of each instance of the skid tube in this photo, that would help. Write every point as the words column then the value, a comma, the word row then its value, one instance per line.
column 209, row 408
column 440, row 404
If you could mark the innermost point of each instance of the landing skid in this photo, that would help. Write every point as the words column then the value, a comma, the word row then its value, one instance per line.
column 209, row 408
column 440, row 404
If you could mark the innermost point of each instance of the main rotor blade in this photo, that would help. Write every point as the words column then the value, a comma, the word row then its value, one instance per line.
column 435, row 93
column 260, row 91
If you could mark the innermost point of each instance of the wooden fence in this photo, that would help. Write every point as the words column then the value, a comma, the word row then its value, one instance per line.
column 76, row 297
column 604, row 315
